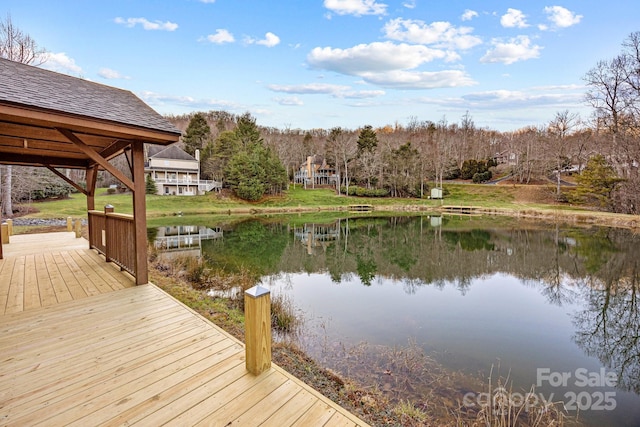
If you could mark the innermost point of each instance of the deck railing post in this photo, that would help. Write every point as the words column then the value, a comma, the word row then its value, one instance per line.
column 69, row 224
column 10, row 226
column 78, row 228
column 105, row 240
column 4, row 233
column 257, row 320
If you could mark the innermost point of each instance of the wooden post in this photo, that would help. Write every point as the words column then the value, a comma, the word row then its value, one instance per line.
column 10, row 226
column 78, row 228
column 4, row 233
column 257, row 324
column 107, row 210
column 139, row 213
column 69, row 224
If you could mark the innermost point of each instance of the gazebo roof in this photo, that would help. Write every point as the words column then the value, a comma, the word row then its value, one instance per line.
column 48, row 118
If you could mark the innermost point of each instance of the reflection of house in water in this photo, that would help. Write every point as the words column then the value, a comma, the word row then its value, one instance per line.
column 184, row 240
column 317, row 235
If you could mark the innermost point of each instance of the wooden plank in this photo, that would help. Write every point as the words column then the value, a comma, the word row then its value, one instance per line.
column 319, row 414
column 111, row 272
column 6, row 270
column 106, row 324
column 96, row 278
column 111, row 360
column 87, row 285
column 146, row 389
column 30, row 291
column 177, row 400
column 204, row 407
column 90, row 400
column 292, row 410
column 98, row 271
column 45, row 287
column 340, row 420
column 71, row 282
column 15, row 297
column 114, row 305
column 266, row 407
column 58, row 284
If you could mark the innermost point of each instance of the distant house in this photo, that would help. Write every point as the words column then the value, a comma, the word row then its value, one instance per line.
column 506, row 157
column 176, row 172
column 316, row 171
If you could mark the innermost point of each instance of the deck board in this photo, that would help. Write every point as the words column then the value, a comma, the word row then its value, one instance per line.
column 80, row 345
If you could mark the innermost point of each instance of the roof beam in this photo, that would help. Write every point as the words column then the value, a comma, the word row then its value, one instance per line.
column 67, row 180
column 97, row 158
column 115, row 149
column 38, row 160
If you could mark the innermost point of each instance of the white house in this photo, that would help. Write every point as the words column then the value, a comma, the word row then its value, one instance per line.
column 176, row 172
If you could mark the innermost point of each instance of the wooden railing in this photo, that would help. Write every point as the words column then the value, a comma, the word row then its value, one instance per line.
column 113, row 235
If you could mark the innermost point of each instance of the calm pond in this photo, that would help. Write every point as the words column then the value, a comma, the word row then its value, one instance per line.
column 545, row 305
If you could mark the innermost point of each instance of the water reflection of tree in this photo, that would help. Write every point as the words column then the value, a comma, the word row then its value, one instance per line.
column 609, row 327
column 251, row 245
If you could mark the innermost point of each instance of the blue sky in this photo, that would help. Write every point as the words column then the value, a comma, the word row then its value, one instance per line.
column 319, row 64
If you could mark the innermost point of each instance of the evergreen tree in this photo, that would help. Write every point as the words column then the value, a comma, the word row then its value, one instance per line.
column 197, row 134
column 252, row 170
column 247, row 130
column 150, row 185
column 367, row 140
column 597, row 183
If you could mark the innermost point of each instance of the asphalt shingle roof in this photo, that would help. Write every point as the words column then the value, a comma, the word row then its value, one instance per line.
column 36, row 87
column 172, row 152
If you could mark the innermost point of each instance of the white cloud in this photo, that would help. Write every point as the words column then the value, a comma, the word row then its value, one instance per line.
column 356, row 7
column 292, row 101
column 61, row 63
column 411, row 4
column 157, row 99
column 390, row 65
column 311, row 88
column 514, row 18
column 337, row 91
column 362, row 94
column 507, row 99
column 146, row 24
column 207, row 1
column 440, row 34
column 374, row 57
column 107, row 73
column 561, row 17
column 468, row 15
column 221, row 36
column 400, row 79
column 270, row 40
column 516, row 49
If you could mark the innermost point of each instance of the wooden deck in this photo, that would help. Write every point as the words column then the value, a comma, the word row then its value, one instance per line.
column 88, row 355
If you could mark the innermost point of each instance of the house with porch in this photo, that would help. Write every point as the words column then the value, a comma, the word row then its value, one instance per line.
column 176, row 172
column 316, row 172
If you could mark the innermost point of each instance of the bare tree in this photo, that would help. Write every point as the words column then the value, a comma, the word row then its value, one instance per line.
column 559, row 130
column 18, row 46
column 614, row 92
column 341, row 144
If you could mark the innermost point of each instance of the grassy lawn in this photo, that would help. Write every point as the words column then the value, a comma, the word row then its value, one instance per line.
column 212, row 203
column 506, row 197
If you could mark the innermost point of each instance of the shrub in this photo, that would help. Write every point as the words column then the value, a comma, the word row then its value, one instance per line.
column 355, row 190
column 482, row 176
